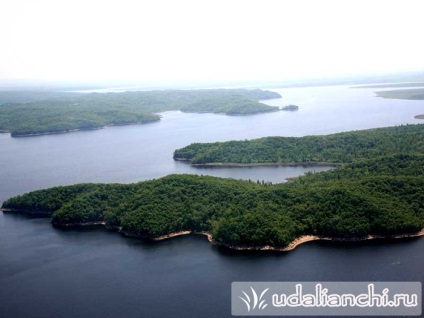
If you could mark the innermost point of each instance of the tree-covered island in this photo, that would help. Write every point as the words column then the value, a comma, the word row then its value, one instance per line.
column 290, row 107
column 374, row 193
column 36, row 113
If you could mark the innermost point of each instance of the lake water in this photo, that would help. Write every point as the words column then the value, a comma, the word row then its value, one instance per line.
column 46, row 272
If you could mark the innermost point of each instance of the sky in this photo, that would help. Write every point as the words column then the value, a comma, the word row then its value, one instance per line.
column 209, row 40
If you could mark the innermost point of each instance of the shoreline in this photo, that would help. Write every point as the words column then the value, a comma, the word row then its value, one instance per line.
column 52, row 132
column 233, row 114
column 26, row 212
column 295, row 243
column 272, row 164
column 291, row 246
column 77, row 129
column 171, row 235
column 309, row 238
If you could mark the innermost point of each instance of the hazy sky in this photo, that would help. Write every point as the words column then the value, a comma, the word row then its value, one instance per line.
column 207, row 39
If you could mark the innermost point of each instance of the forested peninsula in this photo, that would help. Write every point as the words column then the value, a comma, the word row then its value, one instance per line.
column 37, row 113
column 377, row 194
column 336, row 148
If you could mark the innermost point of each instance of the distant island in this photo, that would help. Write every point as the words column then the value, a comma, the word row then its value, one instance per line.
column 290, row 108
column 38, row 113
column 375, row 191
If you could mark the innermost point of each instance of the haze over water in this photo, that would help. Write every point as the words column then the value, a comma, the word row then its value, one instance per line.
column 46, row 272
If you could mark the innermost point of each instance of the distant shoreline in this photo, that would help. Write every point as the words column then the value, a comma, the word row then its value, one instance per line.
column 391, row 85
column 50, row 133
column 75, row 130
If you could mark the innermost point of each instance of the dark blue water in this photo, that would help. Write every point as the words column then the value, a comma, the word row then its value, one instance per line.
column 48, row 272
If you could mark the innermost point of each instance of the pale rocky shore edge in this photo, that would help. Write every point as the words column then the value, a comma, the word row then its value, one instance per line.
column 309, row 238
column 295, row 243
column 298, row 241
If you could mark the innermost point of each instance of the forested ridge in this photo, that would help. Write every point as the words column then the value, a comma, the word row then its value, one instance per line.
column 381, row 196
column 34, row 113
column 336, row 148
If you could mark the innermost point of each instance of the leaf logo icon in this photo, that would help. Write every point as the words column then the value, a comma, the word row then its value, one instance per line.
column 257, row 302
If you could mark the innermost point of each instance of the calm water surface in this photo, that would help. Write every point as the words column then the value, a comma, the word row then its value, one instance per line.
column 46, row 272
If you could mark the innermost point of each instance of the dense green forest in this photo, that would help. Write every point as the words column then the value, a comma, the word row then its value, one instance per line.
column 377, row 196
column 61, row 112
column 336, row 148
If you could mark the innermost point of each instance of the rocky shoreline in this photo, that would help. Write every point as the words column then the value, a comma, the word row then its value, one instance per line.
column 298, row 241
column 309, row 238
